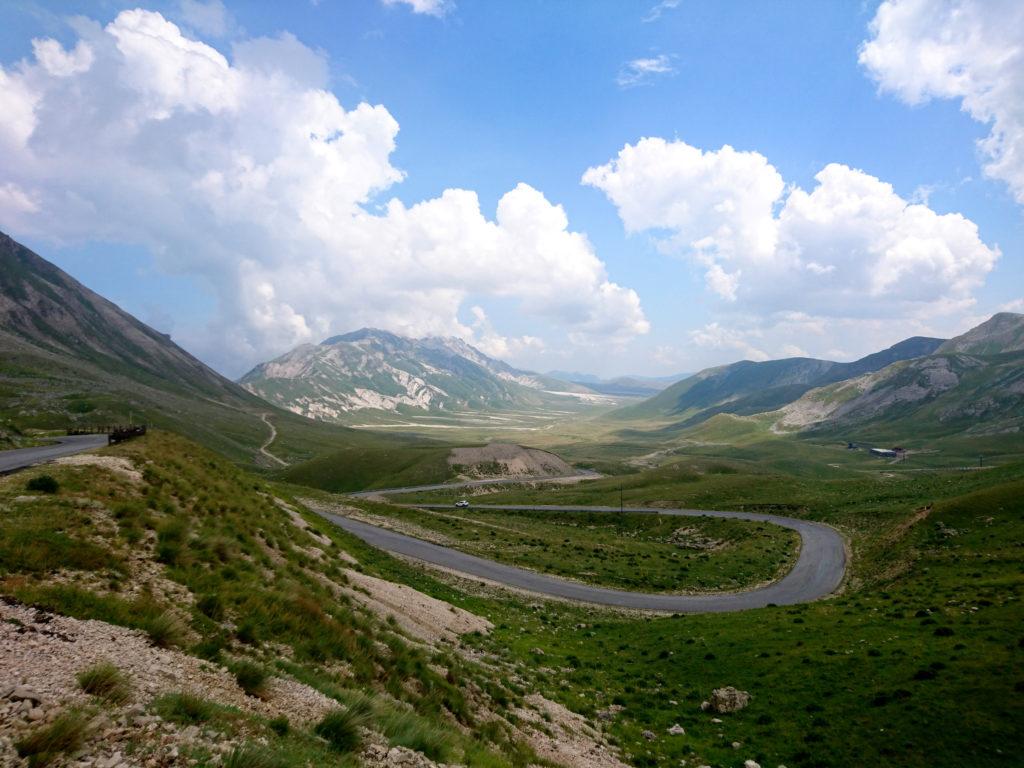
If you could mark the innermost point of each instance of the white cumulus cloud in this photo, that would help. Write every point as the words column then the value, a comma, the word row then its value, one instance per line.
column 247, row 173
column 971, row 50
column 784, row 262
column 850, row 246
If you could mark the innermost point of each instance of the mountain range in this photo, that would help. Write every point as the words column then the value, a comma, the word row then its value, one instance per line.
column 969, row 385
column 69, row 356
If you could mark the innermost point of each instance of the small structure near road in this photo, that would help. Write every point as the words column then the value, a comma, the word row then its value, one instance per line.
column 116, row 433
column 890, row 453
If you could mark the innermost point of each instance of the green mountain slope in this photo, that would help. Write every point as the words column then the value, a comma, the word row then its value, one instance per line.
column 973, row 386
column 1003, row 332
column 747, row 387
column 377, row 371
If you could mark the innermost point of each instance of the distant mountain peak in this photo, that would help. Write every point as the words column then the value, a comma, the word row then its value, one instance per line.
column 376, row 370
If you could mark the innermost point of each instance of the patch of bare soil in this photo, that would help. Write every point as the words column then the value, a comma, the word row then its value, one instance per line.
column 419, row 615
column 507, row 460
column 561, row 736
column 119, row 465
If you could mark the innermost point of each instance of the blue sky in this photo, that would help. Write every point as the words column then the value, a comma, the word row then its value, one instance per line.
column 490, row 95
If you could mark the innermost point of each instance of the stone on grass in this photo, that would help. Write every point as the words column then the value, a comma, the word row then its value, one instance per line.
column 677, row 730
column 727, row 699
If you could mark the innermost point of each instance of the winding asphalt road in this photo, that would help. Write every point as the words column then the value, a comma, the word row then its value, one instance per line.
column 818, row 571
column 20, row 458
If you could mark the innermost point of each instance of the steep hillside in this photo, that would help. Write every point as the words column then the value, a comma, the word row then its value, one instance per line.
column 372, row 370
column 44, row 308
column 68, row 356
column 163, row 607
column 1003, row 332
column 747, row 387
column 939, row 394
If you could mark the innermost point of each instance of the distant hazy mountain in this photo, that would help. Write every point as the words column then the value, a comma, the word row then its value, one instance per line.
column 376, row 370
column 747, row 387
column 620, row 386
column 973, row 384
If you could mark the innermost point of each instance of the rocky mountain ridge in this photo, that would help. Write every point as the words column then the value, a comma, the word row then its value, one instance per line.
column 371, row 369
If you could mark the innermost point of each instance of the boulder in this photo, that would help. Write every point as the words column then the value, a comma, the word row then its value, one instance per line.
column 21, row 693
column 677, row 730
column 727, row 699
column 649, row 735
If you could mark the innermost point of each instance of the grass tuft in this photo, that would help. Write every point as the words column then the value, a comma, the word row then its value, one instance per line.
column 184, row 708
column 252, row 756
column 106, row 682
column 251, row 678
column 341, row 729
column 166, row 630
column 65, row 735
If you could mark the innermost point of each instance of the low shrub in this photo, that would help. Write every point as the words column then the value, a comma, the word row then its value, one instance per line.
column 43, row 484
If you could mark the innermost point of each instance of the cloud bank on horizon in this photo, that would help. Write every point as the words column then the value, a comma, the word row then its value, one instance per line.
column 250, row 173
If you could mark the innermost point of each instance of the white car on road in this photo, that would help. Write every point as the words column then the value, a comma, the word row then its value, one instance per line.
column 461, row 503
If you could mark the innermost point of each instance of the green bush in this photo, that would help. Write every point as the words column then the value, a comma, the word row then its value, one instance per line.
column 341, row 729
column 280, row 725
column 45, row 744
column 43, row 483
column 105, row 681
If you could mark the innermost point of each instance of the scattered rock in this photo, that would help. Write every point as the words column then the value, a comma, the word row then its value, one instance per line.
column 649, row 735
column 751, row 764
column 727, row 699
column 677, row 730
